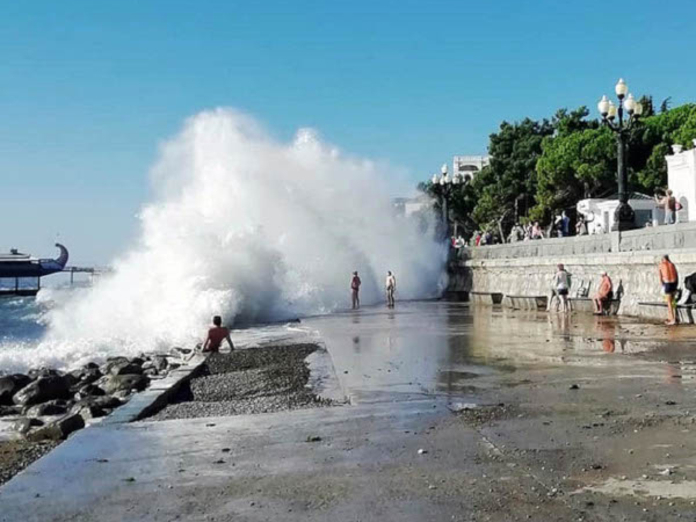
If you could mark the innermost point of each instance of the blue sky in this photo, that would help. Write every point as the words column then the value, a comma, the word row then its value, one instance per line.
column 88, row 89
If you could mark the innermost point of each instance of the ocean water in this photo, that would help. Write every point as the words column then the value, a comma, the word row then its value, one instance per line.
column 240, row 225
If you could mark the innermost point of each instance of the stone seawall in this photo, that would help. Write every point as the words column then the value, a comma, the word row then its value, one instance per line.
column 636, row 271
column 663, row 238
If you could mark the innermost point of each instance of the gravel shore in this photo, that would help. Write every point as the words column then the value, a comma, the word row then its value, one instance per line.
column 256, row 380
column 15, row 455
column 43, row 407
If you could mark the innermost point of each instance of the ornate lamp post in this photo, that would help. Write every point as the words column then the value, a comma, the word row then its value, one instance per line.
column 624, row 217
column 443, row 186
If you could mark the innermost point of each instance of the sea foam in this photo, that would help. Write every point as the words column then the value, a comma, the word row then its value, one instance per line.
column 246, row 227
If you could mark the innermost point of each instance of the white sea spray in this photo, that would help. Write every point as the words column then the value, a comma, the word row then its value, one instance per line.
column 246, row 227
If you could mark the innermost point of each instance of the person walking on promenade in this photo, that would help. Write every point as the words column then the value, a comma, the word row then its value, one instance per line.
column 562, row 285
column 216, row 335
column 669, row 280
column 581, row 226
column 391, row 288
column 355, row 290
column 562, row 225
column 669, row 203
column 604, row 294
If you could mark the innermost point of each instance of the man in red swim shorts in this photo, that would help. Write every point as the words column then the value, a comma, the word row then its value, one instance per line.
column 216, row 335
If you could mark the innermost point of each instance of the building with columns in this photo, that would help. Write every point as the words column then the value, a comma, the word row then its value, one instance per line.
column 468, row 166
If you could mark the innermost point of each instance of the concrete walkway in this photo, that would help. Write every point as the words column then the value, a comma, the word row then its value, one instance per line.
column 576, row 419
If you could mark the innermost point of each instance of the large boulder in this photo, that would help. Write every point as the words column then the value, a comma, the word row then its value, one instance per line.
column 85, row 376
column 43, row 389
column 58, row 429
column 6, row 411
column 107, row 402
column 11, row 384
column 88, row 409
column 89, row 390
column 157, row 362
column 123, row 383
column 138, row 360
column 35, row 373
column 126, row 368
column 112, row 361
column 47, row 408
column 23, row 425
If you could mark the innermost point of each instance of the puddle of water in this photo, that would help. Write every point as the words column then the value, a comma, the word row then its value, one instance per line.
column 448, row 348
column 685, row 489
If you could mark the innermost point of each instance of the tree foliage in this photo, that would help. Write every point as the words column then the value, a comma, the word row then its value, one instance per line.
column 574, row 166
column 511, row 175
column 538, row 168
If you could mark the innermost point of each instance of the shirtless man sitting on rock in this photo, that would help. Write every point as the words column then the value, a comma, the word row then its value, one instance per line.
column 216, row 335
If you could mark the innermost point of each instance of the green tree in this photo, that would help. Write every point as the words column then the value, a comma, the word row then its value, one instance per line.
column 652, row 142
column 574, row 166
column 511, row 175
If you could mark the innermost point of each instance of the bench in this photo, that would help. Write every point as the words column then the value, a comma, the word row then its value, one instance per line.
column 526, row 302
column 486, row 298
column 585, row 304
column 456, row 295
column 658, row 310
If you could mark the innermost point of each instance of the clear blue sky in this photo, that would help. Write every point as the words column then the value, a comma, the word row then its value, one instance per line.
column 88, row 89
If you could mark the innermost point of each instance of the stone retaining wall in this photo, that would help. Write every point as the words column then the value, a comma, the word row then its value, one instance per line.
column 661, row 238
column 637, row 272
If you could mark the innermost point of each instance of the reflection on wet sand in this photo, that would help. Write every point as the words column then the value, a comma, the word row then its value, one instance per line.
column 447, row 348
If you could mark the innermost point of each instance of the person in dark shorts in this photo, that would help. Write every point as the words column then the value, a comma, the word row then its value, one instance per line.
column 605, row 293
column 216, row 335
column 562, row 285
column 355, row 290
column 669, row 280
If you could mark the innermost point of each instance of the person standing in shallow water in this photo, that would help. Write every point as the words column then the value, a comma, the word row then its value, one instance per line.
column 216, row 335
column 355, row 290
column 562, row 286
column 669, row 280
column 391, row 288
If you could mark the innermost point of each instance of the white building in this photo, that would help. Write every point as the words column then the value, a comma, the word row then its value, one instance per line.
column 681, row 179
column 409, row 206
column 469, row 166
column 599, row 213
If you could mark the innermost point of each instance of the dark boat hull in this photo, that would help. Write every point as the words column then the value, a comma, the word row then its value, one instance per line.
column 40, row 268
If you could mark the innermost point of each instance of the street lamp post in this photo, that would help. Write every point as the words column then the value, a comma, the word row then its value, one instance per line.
column 443, row 186
column 624, row 217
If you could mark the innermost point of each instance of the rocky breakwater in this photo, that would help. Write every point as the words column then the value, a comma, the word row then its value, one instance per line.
column 44, row 406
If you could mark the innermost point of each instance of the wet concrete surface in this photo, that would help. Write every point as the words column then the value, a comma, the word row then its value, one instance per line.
column 454, row 414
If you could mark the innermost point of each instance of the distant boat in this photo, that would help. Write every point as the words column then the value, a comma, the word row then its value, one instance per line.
column 16, row 265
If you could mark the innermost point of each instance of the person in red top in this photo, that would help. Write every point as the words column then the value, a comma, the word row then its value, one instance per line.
column 355, row 290
column 670, row 280
column 216, row 335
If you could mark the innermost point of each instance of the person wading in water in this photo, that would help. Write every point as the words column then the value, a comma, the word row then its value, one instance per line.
column 355, row 290
column 669, row 280
column 391, row 288
column 216, row 335
column 562, row 286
